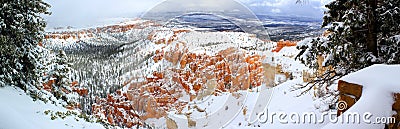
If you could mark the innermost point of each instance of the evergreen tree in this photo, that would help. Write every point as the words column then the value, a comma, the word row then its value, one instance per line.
column 59, row 70
column 21, row 29
column 63, row 70
column 388, row 19
column 362, row 33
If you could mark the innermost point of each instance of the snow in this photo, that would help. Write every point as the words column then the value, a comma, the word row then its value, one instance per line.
column 377, row 76
column 379, row 83
column 129, row 21
column 397, row 37
column 282, row 100
column 285, row 58
column 305, row 42
column 19, row 111
column 219, row 110
column 377, row 90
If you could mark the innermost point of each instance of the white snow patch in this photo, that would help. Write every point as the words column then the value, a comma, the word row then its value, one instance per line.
column 19, row 111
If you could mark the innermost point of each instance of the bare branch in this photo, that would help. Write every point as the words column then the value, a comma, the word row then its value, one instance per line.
column 325, row 79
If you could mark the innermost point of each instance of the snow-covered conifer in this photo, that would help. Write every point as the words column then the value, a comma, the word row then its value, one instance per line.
column 21, row 29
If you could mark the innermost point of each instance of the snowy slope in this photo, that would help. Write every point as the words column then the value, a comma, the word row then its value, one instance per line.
column 283, row 101
column 379, row 83
column 19, row 111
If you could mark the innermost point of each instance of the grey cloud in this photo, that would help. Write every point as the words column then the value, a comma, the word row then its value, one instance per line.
column 86, row 13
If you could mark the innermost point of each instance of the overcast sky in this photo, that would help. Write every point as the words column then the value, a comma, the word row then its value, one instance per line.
column 86, row 13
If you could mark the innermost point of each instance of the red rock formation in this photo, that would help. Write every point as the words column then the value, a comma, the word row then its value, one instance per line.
column 74, row 83
column 77, row 35
column 81, row 91
column 281, row 44
column 117, row 109
column 48, row 86
column 157, row 94
column 166, row 40
column 159, row 55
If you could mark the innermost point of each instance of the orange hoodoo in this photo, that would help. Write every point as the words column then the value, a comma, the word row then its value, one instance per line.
column 282, row 43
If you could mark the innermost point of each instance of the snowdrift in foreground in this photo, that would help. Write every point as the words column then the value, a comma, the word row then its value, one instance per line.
column 19, row 111
column 379, row 83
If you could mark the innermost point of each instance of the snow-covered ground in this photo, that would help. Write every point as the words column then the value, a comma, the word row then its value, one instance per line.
column 379, row 83
column 283, row 100
column 19, row 111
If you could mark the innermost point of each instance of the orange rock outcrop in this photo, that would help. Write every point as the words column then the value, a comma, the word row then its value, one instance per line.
column 282, row 43
column 89, row 33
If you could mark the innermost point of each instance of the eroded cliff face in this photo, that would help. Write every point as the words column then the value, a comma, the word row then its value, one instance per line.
column 183, row 66
column 79, row 34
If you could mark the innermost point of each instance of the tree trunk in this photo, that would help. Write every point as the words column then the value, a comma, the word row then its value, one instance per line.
column 372, row 45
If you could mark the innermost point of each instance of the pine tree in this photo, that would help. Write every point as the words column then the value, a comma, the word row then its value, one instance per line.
column 62, row 74
column 389, row 17
column 362, row 33
column 21, row 29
